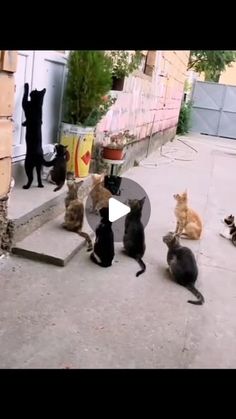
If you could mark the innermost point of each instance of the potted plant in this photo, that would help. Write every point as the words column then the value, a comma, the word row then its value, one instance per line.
column 113, row 148
column 123, row 64
column 89, row 79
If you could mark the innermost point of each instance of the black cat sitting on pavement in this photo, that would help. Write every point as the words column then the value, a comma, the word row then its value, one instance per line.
column 103, row 252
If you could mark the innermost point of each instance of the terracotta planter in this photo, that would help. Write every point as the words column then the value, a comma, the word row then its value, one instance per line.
column 113, row 153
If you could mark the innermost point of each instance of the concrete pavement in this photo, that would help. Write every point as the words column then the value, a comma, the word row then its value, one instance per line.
column 83, row 316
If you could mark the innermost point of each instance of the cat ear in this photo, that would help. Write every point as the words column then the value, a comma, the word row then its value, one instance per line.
column 175, row 237
column 142, row 200
column 78, row 184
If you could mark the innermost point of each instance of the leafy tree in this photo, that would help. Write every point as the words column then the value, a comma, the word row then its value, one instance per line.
column 89, row 79
column 212, row 63
column 123, row 64
column 184, row 118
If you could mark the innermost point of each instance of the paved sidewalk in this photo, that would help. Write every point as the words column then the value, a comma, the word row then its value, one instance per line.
column 83, row 316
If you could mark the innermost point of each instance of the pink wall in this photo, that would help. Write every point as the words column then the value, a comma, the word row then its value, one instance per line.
column 145, row 97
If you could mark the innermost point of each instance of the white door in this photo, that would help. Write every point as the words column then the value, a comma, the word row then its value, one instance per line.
column 41, row 69
column 49, row 72
column 23, row 75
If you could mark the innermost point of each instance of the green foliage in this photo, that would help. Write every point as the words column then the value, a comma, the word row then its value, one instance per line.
column 124, row 63
column 97, row 113
column 89, row 79
column 212, row 63
column 187, row 86
column 184, row 118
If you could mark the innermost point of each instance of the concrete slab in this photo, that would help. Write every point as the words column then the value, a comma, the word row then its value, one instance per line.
column 30, row 209
column 51, row 243
column 23, row 202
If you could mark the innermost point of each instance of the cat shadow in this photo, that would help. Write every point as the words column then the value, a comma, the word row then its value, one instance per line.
column 187, row 238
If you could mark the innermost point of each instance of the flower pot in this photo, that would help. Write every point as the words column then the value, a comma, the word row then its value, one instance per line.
column 113, row 153
column 79, row 141
column 117, row 83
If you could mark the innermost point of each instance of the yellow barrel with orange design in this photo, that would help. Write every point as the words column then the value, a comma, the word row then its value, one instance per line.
column 79, row 141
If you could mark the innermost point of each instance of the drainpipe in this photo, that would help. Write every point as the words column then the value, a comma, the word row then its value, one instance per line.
column 149, row 141
column 159, row 55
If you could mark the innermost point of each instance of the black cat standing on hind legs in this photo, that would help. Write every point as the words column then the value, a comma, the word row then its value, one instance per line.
column 33, row 123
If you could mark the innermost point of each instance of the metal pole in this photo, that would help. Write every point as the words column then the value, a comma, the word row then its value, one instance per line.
column 150, row 135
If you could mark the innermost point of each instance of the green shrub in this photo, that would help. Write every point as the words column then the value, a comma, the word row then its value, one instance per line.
column 89, row 79
column 184, row 118
column 123, row 64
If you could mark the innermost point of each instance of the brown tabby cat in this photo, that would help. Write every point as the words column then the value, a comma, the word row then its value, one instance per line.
column 74, row 215
column 99, row 195
column 188, row 221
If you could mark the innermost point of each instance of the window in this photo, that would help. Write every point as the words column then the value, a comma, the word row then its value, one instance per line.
column 142, row 64
column 150, row 60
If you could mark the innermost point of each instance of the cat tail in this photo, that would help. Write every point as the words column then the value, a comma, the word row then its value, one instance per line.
column 47, row 163
column 142, row 266
column 88, row 240
column 59, row 186
column 197, row 294
column 94, row 259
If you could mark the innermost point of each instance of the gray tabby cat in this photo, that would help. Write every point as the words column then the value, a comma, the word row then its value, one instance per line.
column 182, row 265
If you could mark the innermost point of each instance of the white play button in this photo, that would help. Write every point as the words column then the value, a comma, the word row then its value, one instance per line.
column 117, row 209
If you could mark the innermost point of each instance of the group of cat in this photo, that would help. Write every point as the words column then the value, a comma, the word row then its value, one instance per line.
column 103, row 250
column 34, row 150
column 181, row 260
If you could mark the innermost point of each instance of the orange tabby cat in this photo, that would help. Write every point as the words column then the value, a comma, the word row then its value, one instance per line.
column 99, row 195
column 188, row 221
